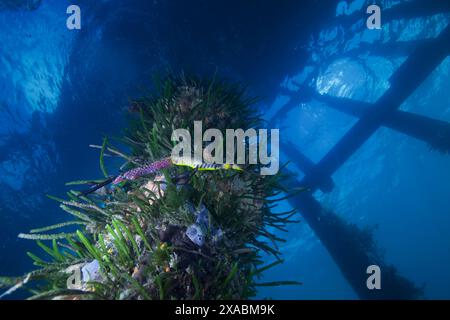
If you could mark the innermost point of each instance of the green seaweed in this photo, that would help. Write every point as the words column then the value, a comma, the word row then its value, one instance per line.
column 102, row 160
column 137, row 234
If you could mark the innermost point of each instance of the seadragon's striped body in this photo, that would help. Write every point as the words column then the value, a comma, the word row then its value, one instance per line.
column 202, row 166
column 138, row 172
column 157, row 166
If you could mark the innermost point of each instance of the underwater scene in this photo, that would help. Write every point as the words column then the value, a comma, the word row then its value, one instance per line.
column 224, row 150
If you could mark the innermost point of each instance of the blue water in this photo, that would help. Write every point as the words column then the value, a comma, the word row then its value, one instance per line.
column 61, row 90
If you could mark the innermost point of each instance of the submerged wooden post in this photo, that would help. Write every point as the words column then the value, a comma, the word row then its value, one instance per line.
column 305, row 164
column 352, row 249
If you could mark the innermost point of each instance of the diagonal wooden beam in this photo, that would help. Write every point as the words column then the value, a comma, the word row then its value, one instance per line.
column 432, row 131
column 404, row 82
column 435, row 132
column 305, row 164
column 389, row 49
